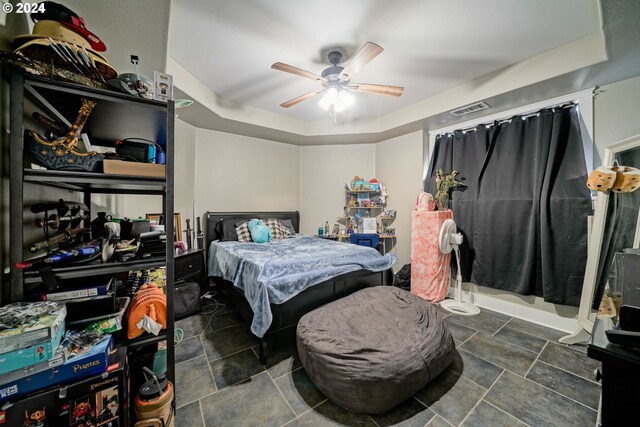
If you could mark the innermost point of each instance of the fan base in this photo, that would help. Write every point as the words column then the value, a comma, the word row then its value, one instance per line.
column 460, row 307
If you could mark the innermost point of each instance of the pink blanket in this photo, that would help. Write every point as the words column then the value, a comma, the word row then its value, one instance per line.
column 430, row 269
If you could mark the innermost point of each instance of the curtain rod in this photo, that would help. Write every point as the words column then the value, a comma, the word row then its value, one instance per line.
column 534, row 107
column 524, row 116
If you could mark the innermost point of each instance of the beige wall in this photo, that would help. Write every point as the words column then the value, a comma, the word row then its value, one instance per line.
column 399, row 162
column 184, row 177
column 238, row 173
column 323, row 173
column 617, row 112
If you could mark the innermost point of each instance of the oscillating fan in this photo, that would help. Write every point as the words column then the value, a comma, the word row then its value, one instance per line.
column 449, row 239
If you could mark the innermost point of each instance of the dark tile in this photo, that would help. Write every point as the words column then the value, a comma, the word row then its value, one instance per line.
column 498, row 316
column 281, row 360
column 458, row 332
column 225, row 320
column 188, row 349
column 570, row 385
column 227, row 341
column 536, row 405
column 481, row 322
column 217, row 306
column 581, row 347
column 486, row 415
column 501, row 353
column 299, row 391
column 254, row 402
column 450, row 396
column 569, row 359
column 521, row 339
column 535, row 329
column 193, row 381
column 441, row 310
column 330, row 414
column 410, row 413
column 474, row 368
column 189, row 415
column 438, row 421
column 194, row 325
column 235, row 368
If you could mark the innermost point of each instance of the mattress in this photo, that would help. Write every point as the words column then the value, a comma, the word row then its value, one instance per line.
column 274, row 272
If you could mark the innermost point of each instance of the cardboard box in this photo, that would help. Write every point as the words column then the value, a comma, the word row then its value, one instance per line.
column 37, row 353
column 41, row 330
column 17, row 384
column 100, row 400
column 120, row 167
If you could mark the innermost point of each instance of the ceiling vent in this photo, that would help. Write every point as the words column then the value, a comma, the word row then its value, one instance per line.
column 468, row 109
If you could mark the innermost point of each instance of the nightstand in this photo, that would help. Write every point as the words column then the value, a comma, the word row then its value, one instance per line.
column 189, row 266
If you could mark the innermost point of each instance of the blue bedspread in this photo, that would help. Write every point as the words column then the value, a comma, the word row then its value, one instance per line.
column 276, row 271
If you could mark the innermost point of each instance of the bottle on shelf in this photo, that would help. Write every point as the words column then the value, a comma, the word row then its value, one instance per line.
column 326, row 228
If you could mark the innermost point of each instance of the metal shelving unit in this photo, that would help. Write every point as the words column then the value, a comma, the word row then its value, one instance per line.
column 115, row 115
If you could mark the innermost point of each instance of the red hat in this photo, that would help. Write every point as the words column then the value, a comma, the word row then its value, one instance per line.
column 57, row 12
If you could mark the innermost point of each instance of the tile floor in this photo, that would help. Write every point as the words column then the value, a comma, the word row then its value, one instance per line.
column 507, row 372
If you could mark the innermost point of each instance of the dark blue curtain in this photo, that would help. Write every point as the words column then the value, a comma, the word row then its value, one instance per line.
column 524, row 213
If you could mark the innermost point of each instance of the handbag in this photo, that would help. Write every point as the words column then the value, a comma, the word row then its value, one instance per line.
column 186, row 299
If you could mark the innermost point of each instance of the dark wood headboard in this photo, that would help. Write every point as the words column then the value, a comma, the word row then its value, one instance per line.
column 211, row 219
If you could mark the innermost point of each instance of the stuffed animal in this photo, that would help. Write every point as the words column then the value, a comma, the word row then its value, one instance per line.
column 260, row 233
column 602, row 178
column 383, row 194
column 621, row 179
column 627, row 180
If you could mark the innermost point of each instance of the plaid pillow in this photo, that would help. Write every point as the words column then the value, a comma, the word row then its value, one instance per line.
column 242, row 230
column 278, row 231
column 288, row 232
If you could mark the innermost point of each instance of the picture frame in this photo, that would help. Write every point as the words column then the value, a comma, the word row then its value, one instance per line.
column 336, row 229
column 177, row 224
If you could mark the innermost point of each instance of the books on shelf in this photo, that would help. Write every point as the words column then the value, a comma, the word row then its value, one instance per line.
column 76, row 292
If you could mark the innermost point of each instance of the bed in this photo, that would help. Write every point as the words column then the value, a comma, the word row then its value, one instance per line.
column 248, row 292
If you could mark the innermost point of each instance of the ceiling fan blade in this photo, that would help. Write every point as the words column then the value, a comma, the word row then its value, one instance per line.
column 301, row 98
column 378, row 89
column 366, row 53
column 280, row 66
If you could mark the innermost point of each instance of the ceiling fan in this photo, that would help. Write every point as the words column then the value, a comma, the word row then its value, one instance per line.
column 336, row 80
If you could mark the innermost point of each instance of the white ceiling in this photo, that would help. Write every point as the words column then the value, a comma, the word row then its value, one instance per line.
column 430, row 46
column 447, row 54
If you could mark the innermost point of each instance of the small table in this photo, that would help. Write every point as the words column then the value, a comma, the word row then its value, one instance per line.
column 190, row 267
column 327, row 236
column 620, row 376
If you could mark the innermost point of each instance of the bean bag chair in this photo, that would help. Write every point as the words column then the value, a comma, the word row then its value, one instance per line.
column 373, row 349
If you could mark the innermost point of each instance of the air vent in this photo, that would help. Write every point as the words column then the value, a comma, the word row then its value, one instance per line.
column 468, row 109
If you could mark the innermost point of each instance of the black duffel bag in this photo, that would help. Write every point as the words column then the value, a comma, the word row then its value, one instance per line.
column 402, row 279
column 186, row 299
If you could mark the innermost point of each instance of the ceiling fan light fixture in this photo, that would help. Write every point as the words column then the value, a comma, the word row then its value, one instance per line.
column 336, row 83
column 339, row 107
column 345, row 97
column 338, row 98
column 329, row 98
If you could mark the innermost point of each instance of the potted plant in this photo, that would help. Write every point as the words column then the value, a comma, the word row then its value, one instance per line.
column 445, row 184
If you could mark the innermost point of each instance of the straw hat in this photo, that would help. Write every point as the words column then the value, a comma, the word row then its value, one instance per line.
column 43, row 49
column 54, row 29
